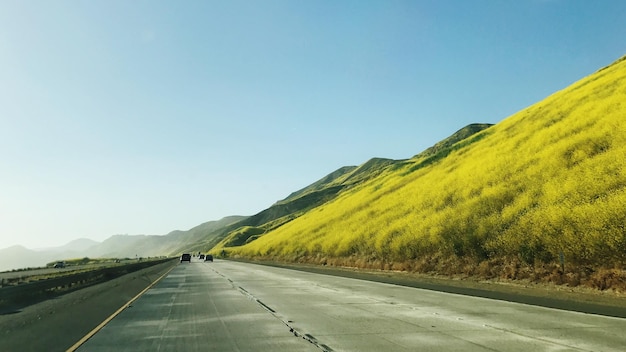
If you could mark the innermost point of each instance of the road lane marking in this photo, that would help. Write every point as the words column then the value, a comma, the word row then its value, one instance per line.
column 107, row 320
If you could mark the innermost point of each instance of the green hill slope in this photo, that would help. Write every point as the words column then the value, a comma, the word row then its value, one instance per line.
column 298, row 203
column 446, row 145
column 542, row 190
column 202, row 237
column 325, row 182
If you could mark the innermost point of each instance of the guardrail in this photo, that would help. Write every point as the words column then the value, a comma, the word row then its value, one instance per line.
column 12, row 297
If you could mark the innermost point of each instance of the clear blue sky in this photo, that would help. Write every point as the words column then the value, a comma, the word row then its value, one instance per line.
column 142, row 117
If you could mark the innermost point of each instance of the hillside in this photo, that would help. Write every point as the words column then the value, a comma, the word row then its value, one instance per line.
column 297, row 203
column 447, row 144
column 320, row 184
column 540, row 196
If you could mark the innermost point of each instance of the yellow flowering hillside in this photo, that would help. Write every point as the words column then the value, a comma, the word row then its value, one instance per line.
column 540, row 195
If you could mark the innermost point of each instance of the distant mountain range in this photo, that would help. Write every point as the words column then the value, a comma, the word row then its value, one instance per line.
column 18, row 257
column 117, row 246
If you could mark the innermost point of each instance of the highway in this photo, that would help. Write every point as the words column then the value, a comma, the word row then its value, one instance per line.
column 231, row 306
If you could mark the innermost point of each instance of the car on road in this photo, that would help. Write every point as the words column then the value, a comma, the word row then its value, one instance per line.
column 185, row 257
column 59, row 265
column 208, row 258
column 201, row 256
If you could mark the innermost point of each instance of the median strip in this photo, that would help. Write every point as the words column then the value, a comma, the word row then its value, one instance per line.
column 15, row 297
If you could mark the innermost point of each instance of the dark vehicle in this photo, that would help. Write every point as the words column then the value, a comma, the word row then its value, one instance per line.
column 201, row 256
column 208, row 258
column 59, row 265
column 185, row 257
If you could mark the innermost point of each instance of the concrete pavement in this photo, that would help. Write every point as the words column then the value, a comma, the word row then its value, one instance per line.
column 229, row 306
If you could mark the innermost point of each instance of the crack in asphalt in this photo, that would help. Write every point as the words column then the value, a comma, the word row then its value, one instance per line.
column 307, row 337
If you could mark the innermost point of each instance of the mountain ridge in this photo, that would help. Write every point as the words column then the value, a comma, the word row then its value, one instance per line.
column 203, row 237
column 538, row 193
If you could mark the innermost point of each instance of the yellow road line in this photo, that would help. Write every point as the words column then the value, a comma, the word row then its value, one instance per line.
column 107, row 320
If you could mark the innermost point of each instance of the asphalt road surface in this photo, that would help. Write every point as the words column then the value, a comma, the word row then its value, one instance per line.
column 231, row 306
